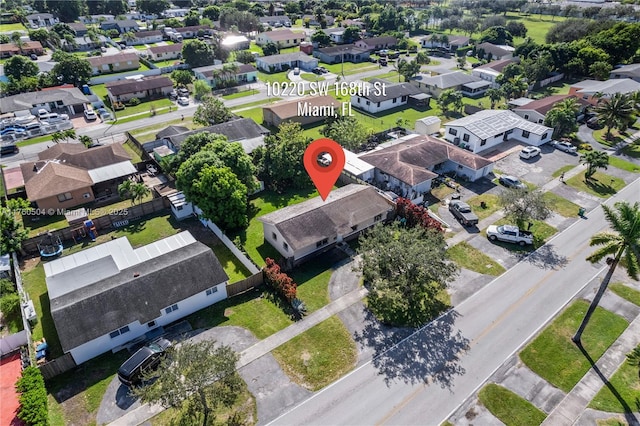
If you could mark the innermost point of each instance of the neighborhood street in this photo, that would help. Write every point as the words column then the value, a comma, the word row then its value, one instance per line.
column 426, row 376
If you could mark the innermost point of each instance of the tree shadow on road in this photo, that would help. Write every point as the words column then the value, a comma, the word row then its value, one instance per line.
column 545, row 257
column 429, row 355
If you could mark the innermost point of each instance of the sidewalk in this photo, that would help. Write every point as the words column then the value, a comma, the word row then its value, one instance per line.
column 263, row 347
column 576, row 401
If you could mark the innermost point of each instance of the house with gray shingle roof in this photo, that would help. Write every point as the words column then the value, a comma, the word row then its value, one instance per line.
column 588, row 89
column 631, row 71
column 286, row 61
column 456, row 80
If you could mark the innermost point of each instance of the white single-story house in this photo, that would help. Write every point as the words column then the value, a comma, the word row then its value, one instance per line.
column 377, row 43
column 335, row 34
column 487, row 129
column 193, row 31
column 342, row 53
column 108, row 295
column 383, row 95
column 314, row 226
column 456, row 80
column 235, row 42
column 148, row 87
column 281, row 38
column 495, row 52
column 286, row 61
column 214, row 75
column 166, row 52
column 273, row 20
column 490, row 71
column 145, row 37
column 408, row 165
column 114, row 63
column 453, row 42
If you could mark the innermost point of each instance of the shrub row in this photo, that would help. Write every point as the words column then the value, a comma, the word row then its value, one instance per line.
column 33, row 398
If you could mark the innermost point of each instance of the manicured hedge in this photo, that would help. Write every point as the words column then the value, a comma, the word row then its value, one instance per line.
column 33, row 398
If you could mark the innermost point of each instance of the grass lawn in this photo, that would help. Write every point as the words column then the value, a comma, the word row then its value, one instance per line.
column 253, row 113
column 491, row 202
column 267, row 201
column 469, row 257
column 554, row 357
column 389, row 119
column 389, row 76
column 509, row 407
column 311, row 77
column 561, row 205
column 318, row 356
column 350, row 67
column 615, row 138
column 43, row 224
column 626, row 292
column 129, row 147
column 148, row 133
column 600, row 184
column 621, row 164
column 442, row 191
column 632, row 150
column 561, row 170
column 100, row 91
column 239, row 94
column 625, row 384
column 231, row 265
column 5, row 28
column 39, row 139
column 272, row 78
column 313, row 283
column 167, row 63
column 144, row 107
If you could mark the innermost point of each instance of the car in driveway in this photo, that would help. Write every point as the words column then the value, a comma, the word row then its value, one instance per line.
column 511, row 182
column 530, row 152
column 90, row 114
column 148, row 358
column 183, row 100
column 564, row 146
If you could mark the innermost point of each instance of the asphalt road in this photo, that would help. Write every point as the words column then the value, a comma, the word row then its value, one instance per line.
column 425, row 377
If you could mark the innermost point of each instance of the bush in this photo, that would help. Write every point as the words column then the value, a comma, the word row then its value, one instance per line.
column 134, row 102
column 33, row 397
column 6, row 286
column 585, row 147
column 10, row 305
column 280, row 281
column 462, row 51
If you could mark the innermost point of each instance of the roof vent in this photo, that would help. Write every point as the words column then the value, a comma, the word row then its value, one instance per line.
column 136, row 274
column 35, row 167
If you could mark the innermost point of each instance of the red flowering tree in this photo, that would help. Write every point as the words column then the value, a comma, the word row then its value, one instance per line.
column 279, row 280
column 416, row 215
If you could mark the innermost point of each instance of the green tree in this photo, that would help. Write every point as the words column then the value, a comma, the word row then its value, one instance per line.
column 234, row 157
column 201, row 377
column 351, row 34
column 19, row 66
column 182, row 77
column 269, row 49
column 41, row 35
column 406, row 270
column 197, row 53
column 201, row 89
column 245, row 56
column 153, row 7
column 522, row 205
column 192, row 19
column 10, row 305
column 211, row 111
column 85, row 140
column 57, row 137
column 600, row 70
column 217, row 192
column 633, row 358
column 66, row 10
column 279, row 161
column 496, row 35
column 615, row 112
column 494, row 96
column 408, row 69
column 196, row 143
column 448, row 98
column 71, row 69
column 211, row 12
column 623, row 242
column 562, row 117
column 13, row 234
column 422, row 58
column 594, row 160
column 348, row 132
column 319, row 37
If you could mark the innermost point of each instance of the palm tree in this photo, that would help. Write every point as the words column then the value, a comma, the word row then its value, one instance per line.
column 519, row 86
column 624, row 241
column 129, row 36
column 615, row 112
column 594, row 160
column 138, row 192
column 69, row 134
column 494, row 96
column 57, row 137
column 16, row 38
column 85, row 140
column 633, row 358
column 562, row 117
column 124, row 189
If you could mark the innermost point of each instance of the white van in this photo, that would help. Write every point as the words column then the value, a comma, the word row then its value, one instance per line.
column 89, row 113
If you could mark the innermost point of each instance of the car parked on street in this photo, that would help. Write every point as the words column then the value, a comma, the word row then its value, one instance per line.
column 511, row 182
column 564, row 146
column 530, row 152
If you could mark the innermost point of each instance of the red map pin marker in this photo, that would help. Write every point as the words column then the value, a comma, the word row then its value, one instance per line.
column 324, row 160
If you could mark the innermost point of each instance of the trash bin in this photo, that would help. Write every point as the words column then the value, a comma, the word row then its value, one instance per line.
column 581, row 211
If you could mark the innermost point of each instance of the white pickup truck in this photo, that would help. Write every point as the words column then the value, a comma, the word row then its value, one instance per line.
column 510, row 234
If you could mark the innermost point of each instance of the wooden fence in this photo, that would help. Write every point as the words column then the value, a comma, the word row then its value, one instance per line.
column 118, row 219
column 248, row 283
column 139, row 148
column 57, row 366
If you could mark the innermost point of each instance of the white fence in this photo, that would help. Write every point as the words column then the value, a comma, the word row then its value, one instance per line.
column 227, row 242
column 547, row 81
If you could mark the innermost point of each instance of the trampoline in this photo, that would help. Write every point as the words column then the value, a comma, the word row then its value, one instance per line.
column 50, row 246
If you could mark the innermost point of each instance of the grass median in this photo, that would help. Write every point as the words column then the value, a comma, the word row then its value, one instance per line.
column 509, row 407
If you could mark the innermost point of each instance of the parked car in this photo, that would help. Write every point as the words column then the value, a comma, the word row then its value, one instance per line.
column 103, row 49
column 90, row 114
column 296, row 71
column 183, row 100
column 9, row 149
column 183, row 92
column 383, row 62
column 594, row 123
column 324, row 70
column 462, row 212
column 317, row 71
column 530, row 152
column 564, row 146
column 511, row 182
column 145, row 359
column 510, row 234
column 33, row 57
column 42, row 113
column 104, row 114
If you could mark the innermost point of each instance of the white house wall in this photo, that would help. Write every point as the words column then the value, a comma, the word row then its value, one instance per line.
column 475, row 143
column 374, row 107
column 186, row 307
column 531, row 115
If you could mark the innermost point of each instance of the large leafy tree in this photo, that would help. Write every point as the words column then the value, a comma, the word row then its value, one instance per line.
column 449, row 98
column 19, row 66
column 348, row 132
column 496, row 35
column 197, row 53
column 13, row 234
column 233, row 156
column 211, row 111
column 562, row 117
column 279, row 161
column 154, row 7
column 622, row 242
column 71, row 69
column 406, row 270
column 196, row 143
column 615, row 112
column 66, row 10
column 321, row 38
column 216, row 191
column 182, row 77
column 594, row 160
column 196, row 377
column 522, row 205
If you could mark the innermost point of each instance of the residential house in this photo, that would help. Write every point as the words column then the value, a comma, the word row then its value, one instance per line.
column 166, row 52
column 309, row 228
column 235, row 42
column 273, row 20
column 145, row 37
column 631, row 71
column 8, row 50
column 126, row 25
column 193, row 31
column 377, row 43
column 175, row 13
column 456, row 80
column 84, row 44
column 245, row 131
column 97, row 19
column 313, row 20
column 286, row 61
column 69, row 175
column 407, row 166
column 217, row 75
column 343, row 53
column 299, row 110
column 492, row 70
column 489, row 128
column 453, row 42
column 379, row 95
column 537, row 110
column 108, row 295
column 40, row 20
column 353, row 23
column 335, row 34
column 114, row 63
column 69, row 100
column 593, row 90
column 147, row 87
column 494, row 52
column 79, row 28
column 282, row 38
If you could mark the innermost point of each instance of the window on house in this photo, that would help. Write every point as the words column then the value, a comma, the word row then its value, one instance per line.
column 483, row 142
column 212, row 290
column 395, row 100
column 378, row 104
column 544, row 136
column 377, row 217
column 525, row 134
column 64, row 197
column 285, row 246
column 526, row 116
column 540, row 121
column 119, row 331
column 358, row 100
column 368, row 103
column 171, row 309
column 404, row 99
column 274, row 236
column 114, row 334
column 151, row 324
column 453, row 131
column 322, row 243
column 465, row 137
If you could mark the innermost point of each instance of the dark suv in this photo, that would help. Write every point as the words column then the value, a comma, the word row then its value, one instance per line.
column 145, row 359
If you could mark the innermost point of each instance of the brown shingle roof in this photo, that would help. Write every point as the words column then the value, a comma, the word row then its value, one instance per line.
column 122, row 87
column 97, row 61
column 53, row 178
column 289, row 109
column 143, row 34
column 177, row 47
column 92, row 158
column 544, row 105
column 372, row 42
column 499, row 65
column 282, row 35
